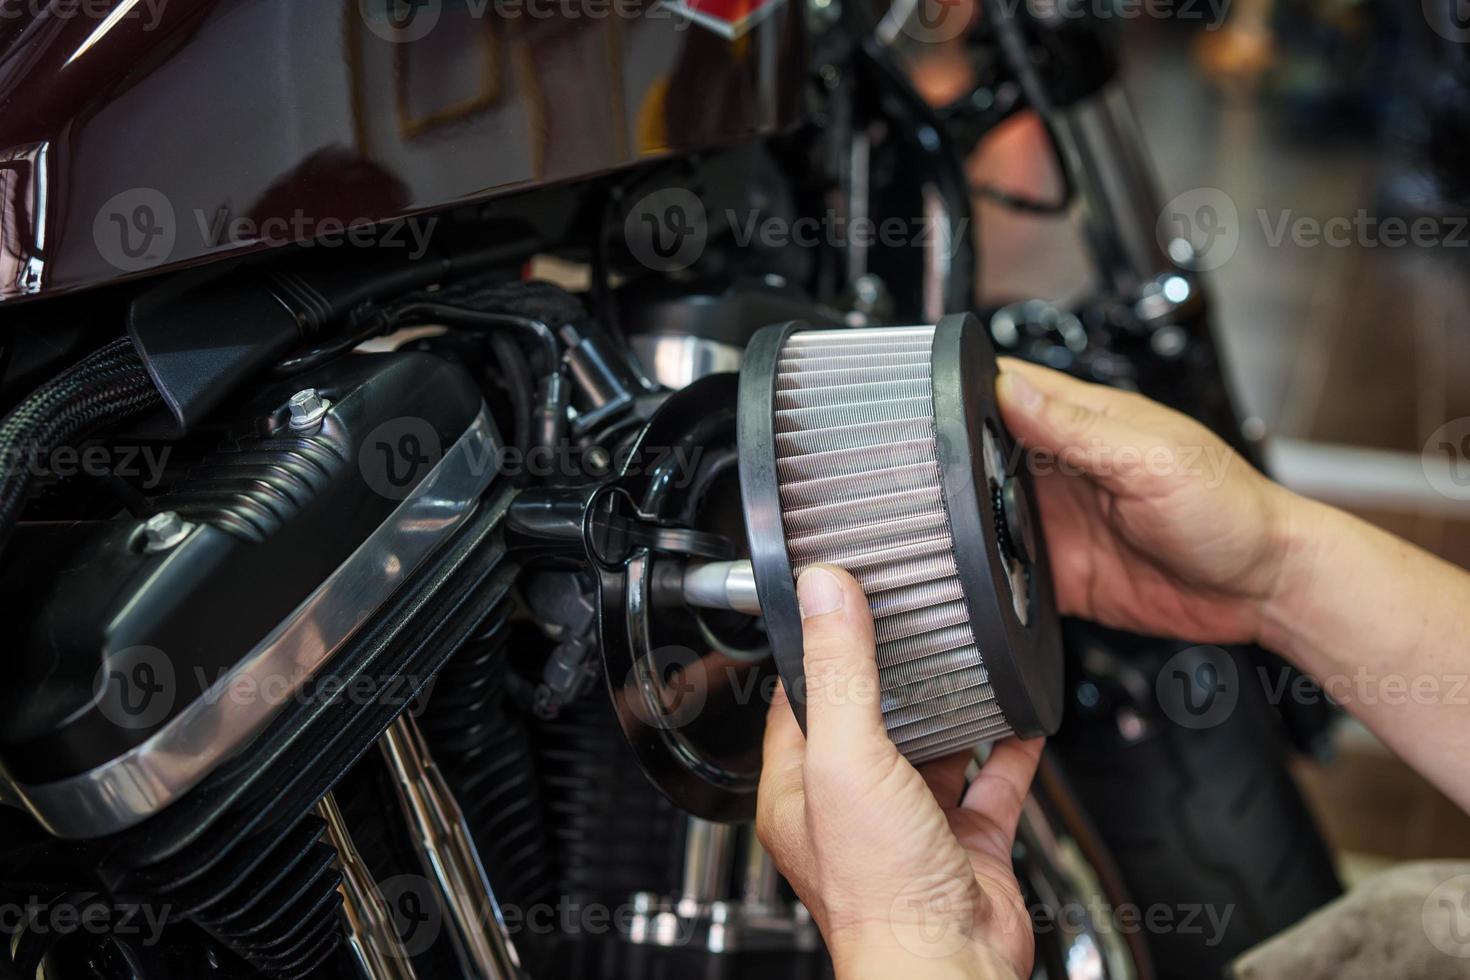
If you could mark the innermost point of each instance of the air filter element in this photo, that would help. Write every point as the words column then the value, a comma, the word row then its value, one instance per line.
column 882, row 451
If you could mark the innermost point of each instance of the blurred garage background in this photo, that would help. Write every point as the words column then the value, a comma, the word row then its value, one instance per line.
column 1351, row 355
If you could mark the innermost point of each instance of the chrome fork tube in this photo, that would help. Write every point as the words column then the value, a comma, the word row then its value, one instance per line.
column 449, row 855
column 1116, row 186
column 707, row 850
column 374, row 941
column 761, row 883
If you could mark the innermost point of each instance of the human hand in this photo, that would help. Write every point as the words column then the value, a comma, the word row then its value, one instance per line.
column 1152, row 522
column 900, row 867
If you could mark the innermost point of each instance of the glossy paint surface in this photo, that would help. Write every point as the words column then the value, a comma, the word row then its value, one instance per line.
column 140, row 135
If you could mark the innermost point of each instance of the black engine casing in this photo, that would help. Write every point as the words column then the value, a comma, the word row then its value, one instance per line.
column 278, row 516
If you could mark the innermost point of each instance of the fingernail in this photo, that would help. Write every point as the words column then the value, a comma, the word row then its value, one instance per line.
column 1021, row 391
column 818, row 592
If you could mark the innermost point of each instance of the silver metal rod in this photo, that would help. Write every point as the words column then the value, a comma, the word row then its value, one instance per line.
column 448, row 854
column 761, row 886
column 1116, row 184
column 708, row 847
column 374, row 942
column 722, row 585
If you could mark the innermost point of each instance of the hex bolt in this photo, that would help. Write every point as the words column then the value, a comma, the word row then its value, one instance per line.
column 307, row 409
column 164, row 530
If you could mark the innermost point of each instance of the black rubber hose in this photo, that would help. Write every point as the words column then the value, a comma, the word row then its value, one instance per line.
column 1015, row 50
column 470, row 319
column 519, row 386
column 552, row 395
column 107, row 386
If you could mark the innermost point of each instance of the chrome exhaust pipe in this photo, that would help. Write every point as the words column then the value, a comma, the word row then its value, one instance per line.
column 374, row 942
column 448, row 853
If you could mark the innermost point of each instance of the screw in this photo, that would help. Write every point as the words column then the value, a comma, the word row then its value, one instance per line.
column 307, row 409
column 164, row 530
column 598, row 460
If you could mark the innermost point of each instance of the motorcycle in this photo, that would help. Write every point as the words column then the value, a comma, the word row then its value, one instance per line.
column 373, row 540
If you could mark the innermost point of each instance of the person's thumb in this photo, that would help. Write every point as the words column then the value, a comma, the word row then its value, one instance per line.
column 1075, row 435
column 843, row 710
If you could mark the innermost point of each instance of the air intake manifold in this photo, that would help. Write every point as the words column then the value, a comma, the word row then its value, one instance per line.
column 882, row 451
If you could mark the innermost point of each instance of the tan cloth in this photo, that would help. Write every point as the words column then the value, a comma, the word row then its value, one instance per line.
column 1410, row 923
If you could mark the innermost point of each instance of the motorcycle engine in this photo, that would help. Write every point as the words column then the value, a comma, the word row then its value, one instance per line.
column 454, row 659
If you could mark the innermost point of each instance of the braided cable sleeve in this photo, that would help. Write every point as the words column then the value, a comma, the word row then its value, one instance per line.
column 107, row 386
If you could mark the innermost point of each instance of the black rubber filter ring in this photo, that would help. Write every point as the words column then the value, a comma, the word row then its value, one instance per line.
column 760, row 492
column 1023, row 662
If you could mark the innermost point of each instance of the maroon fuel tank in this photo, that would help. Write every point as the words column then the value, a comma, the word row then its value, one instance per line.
column 139, row 135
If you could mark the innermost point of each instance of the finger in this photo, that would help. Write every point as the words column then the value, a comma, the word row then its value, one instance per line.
column 1079, row 431
column 1058, row 384
column 843, row 717
column 946, row 777
column 784, row 745
column 999, row 791
column 779, row 795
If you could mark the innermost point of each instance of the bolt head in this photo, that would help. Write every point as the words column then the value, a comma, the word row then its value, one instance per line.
column 164, row 530
column 307, row 408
